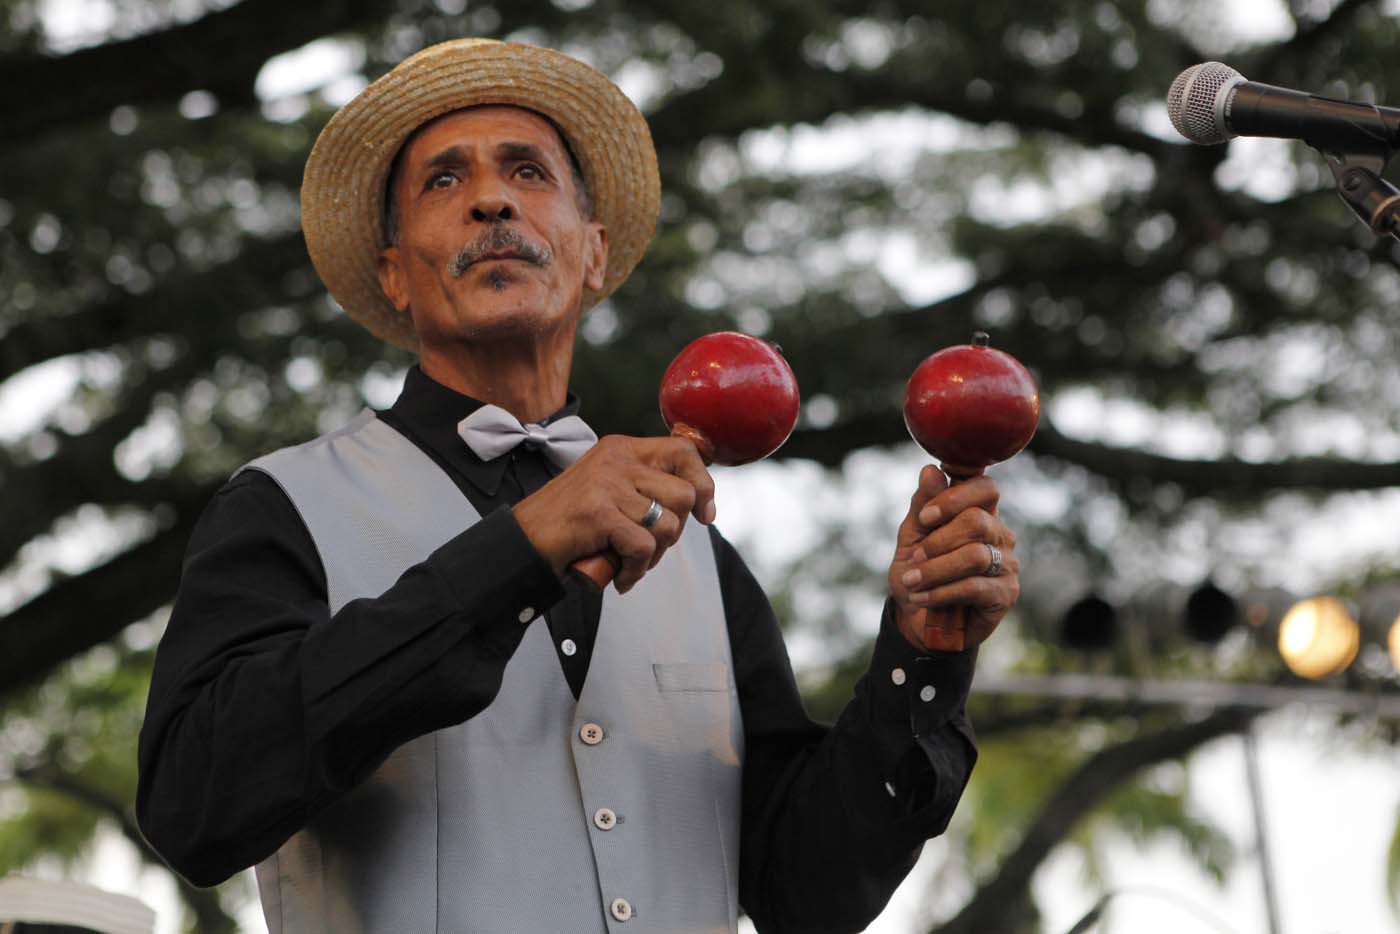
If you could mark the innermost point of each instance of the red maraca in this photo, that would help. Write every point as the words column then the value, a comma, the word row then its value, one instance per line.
column 734, row 396
column 970, row 407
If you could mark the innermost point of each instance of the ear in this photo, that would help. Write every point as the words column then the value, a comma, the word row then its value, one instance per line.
column 391, row 277
column 595, row 258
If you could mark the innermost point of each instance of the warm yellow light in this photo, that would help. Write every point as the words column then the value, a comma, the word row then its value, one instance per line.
column 1318, row 637
column 1395, row 643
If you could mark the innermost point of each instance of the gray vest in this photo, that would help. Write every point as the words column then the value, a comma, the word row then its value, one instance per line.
column 618, row 812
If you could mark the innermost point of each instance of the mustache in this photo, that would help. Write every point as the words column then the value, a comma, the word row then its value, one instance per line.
column 499, row 243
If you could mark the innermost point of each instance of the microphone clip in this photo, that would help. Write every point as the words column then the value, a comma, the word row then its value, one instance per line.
column 1370, row 197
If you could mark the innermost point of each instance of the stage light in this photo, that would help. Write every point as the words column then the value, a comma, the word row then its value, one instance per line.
column 1090, row 625
column 1394, row 642
column 1318, row 637
column 1380, row 617
column 1210, row 613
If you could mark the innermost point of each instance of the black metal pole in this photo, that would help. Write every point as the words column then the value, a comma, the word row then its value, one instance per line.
column 1256, row 797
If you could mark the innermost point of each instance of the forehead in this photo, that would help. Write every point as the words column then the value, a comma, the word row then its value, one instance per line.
column 485, row 125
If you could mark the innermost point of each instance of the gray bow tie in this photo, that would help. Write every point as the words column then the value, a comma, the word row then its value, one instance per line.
column 491, row 431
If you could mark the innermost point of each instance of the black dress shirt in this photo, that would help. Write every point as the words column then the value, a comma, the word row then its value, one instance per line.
column 265, row 707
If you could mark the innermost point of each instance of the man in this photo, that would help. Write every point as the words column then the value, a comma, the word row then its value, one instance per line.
column 382, row 685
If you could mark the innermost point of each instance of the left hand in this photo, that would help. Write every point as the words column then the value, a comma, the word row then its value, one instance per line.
column 945, row 538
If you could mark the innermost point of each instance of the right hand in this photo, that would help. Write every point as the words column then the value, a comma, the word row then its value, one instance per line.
column 597, row 504
column 941, row 557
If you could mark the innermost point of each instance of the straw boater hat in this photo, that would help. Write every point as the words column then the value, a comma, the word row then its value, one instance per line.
column 342, row 193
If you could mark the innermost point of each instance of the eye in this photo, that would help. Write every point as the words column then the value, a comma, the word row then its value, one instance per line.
column 440, row 180
column 530, row 171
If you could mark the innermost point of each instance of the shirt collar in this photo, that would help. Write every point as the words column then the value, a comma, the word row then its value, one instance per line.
column 431, row 412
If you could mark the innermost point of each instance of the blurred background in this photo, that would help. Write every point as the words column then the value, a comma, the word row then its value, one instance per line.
column 1214, row 334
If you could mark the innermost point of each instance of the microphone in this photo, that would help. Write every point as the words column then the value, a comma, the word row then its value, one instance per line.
column 1211, row 103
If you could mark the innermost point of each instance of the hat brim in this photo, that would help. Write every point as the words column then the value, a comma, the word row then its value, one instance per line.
column 342, row 192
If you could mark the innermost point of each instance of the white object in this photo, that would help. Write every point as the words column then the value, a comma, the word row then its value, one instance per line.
column 73, row 903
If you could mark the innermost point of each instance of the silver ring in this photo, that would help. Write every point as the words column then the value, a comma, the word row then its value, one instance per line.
column 994, row 568
column 652, row 514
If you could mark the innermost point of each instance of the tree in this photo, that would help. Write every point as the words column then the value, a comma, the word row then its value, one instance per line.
column 153, row 269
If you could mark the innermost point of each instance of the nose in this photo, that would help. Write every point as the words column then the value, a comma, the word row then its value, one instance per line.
column 491, row 203
column 490, row 211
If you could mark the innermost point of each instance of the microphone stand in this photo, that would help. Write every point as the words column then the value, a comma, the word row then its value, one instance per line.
column 1370, row 197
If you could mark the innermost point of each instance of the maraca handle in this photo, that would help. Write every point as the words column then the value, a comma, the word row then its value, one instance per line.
column 600, row 569
column 945, row 628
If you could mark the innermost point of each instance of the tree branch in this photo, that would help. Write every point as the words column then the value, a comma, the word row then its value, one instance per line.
column 254, row 278
column 221, row 52
column 1309, row 35
column 1215, row 477
column 817, row 93
column 83, row 470
column 1001, row 722
column 86, row 610
column 1090, row 784
column 829, row 446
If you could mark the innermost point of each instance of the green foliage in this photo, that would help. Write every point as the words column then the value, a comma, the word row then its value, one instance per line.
column 70, row 746
column 1146, row 812
column 45, row 825
column 1013, row 780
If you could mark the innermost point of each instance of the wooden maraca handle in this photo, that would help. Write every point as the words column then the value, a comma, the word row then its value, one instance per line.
column 945, row 628
column 599, row 570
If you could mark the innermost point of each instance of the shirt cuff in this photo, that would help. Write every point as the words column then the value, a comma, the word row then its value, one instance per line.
column 925, row 688
column 493, row 564
column 924, row 747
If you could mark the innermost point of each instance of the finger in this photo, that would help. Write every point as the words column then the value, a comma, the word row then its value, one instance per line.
column 931, row 482
column 666, row 528
column 667, row 531
column 971, row 560
column 979, row 492
column 679, row 456
column 634, row 545
column 672, row 492
column 971, row 526
column 988, row 596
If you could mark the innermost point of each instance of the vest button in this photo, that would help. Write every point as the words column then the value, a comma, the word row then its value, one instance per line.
column 591, row 734
column 605, row 819
column 526, row 614
column 621, row 909
column 568, row 647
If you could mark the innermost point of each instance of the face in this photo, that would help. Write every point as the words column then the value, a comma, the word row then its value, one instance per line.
column 492, row 243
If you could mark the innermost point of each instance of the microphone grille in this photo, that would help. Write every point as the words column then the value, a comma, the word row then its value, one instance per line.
column 1195, row 102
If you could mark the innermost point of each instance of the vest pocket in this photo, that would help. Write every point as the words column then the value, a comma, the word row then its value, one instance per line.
column 691, row 677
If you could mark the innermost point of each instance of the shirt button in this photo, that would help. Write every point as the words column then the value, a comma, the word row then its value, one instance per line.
column 927, row 693
column 568, row 647
column 527, row 614
column 889, row 786
column 897, row 676
column 591, row 734
column 621, row 909
column 605, row 819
